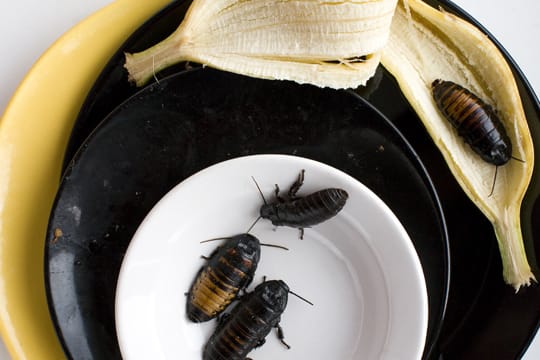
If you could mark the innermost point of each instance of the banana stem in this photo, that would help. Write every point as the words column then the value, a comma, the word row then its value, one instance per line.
column 516, row 269
column 144, row 65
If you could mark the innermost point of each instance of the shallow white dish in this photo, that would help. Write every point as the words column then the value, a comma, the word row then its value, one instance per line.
column 359, row 268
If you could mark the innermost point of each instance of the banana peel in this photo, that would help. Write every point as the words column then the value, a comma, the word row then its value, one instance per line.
column 427, row 44
column 331, row 43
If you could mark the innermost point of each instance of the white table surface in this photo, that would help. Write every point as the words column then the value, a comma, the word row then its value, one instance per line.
column 29, row 27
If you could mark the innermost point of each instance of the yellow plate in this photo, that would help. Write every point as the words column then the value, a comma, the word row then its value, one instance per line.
column 33, row 136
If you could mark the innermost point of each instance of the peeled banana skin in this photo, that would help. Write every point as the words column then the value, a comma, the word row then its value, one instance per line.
column 339, row 44
column 426, row 44
column 330, row 43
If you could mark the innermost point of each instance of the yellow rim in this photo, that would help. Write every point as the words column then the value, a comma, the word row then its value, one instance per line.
column 33, row 136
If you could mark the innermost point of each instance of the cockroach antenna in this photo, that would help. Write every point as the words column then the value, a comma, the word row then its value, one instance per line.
column 252, row 225
column 264, row 200
column 275, row 246
column 262, row 244
column 260, row 192
column 494, row 179
column 215, row 239
column 301, row 298
column 495, row 176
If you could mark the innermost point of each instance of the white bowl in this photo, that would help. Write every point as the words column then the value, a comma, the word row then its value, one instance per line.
column 359, row 268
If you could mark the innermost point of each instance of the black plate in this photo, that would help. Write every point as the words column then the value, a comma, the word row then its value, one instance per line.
column 188, row 122
column 484, row 318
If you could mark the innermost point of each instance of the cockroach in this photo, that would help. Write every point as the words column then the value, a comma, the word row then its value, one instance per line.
column 302, row 212
column 249, row 322
column 228, row 271
column 475, row 121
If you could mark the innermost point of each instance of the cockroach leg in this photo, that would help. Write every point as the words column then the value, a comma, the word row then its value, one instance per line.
column 281, row 337
column 297, row 184
column 276, row 192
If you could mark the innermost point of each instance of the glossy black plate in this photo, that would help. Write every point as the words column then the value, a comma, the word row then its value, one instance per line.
column 484, row 318
column 188, row 122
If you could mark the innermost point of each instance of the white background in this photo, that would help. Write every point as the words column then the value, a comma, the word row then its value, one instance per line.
column 29, row 27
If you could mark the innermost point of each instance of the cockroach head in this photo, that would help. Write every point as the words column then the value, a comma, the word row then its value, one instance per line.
column 436, row 83
column 268, row 211
column 499, row 154
column 274, row 293
column 249, row 245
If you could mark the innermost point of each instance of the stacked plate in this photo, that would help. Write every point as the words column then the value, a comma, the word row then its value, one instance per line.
column 409, row 269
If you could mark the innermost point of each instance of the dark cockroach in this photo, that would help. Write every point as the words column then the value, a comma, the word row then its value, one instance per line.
column 228, row 271
column 303, row 212
column 248, row 324
column 475, row 121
